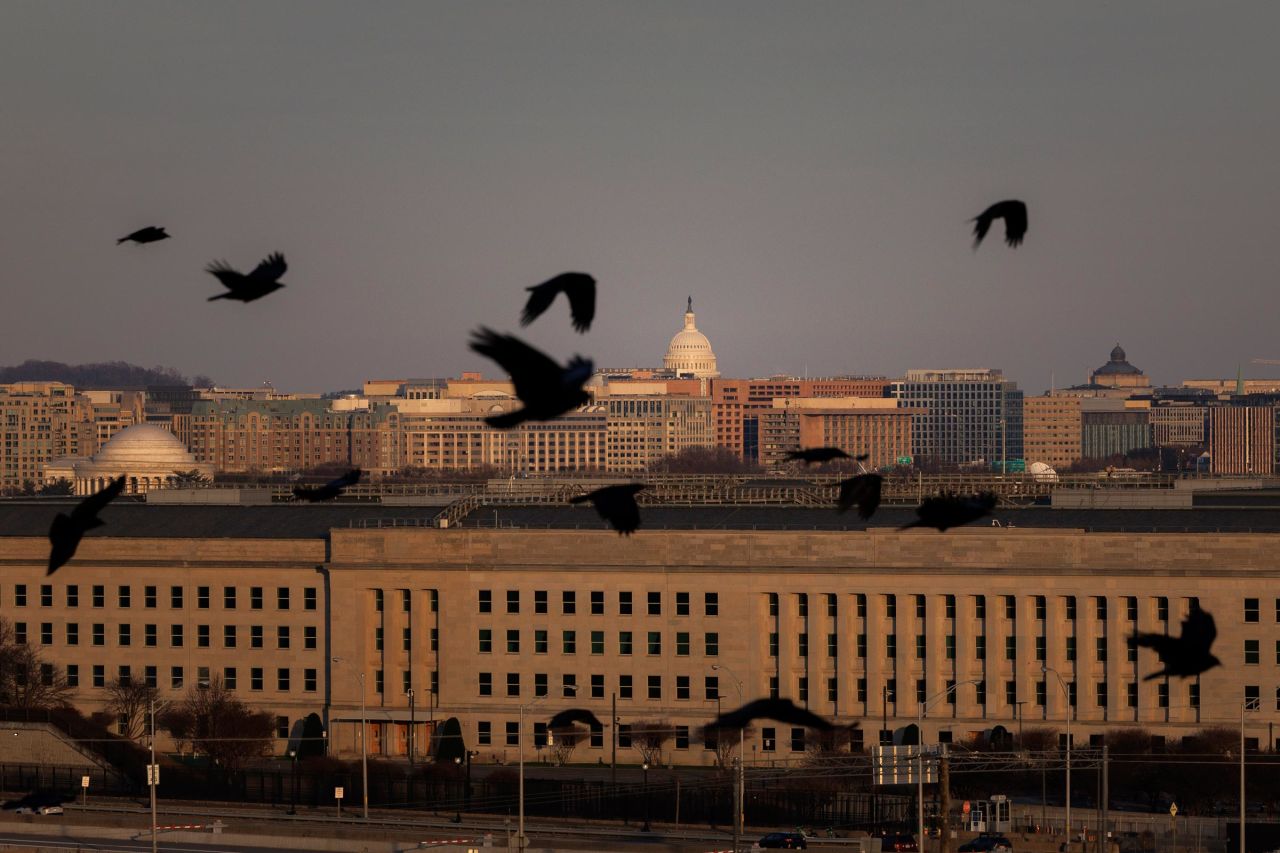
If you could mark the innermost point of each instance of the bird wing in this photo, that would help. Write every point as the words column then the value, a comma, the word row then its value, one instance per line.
column 89, row 508
column 1199, row 630
column 1015, row 221
column 64, row 537
column 982, row 223
column 532, row 372
column 581, row 290
column 540, row 298
column 222, row 271
column 270, row 269
column 348, row 479
column 863, row 490
column 570, row 716
column 617, row 505
column 1166, row 647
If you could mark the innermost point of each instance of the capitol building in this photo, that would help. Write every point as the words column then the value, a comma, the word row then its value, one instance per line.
column 689, row 355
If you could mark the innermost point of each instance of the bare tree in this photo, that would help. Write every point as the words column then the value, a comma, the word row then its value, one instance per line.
column 725, row 740
column 222, row 727
column 836, row 741
column 649, row 737
column 563, row 742
column 128, row 701
column 26, row 680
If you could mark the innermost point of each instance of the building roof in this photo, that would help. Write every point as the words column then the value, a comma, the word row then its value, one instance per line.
column 1117, row 365
column 145, row 444
column 1217, row 512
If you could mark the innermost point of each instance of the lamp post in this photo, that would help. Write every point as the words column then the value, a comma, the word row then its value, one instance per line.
column 1250, row 705
column 646, row 827
column 293, row 781
column 924, row 706
column 467, row 793
column 1066, row 695
column 521, row 841
column 413, row 729
column 739, row 805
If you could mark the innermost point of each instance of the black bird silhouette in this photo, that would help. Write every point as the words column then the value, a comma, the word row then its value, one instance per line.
column 67, row 530
column 822, row 454
column 572, row 716
column 616, row 505
column 1187, row 655
column 863, row 490
column 546, row 389
column 782, row 710
column 1014, row 214
column 329, row 490
column 150, row 234
column 944, row 511
column 245, row 288
column 580, row 289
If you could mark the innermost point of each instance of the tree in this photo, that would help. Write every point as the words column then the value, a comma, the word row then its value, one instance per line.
column 649, row 737
column 221, row 726
column 189, row 478
column 26, row 680
column 725, row 739
column 62, row 486
column 563, row 742
column 704, row 460
column 128, row 701
column 836, row 741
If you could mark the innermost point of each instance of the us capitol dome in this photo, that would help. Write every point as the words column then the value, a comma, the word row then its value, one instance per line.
column 689, row 353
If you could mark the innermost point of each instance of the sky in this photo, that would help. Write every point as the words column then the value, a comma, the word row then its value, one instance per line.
column 806, row 171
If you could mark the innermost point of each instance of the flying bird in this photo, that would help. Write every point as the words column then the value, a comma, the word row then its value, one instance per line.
column 578, row 287
column 616, row 505
column 944, row 511
column 1014, row 214
column 150, row 234
column 67, row 530
column 572, row 716
column 810, row 455
column 546, row 389
column 781, row 710
column 1187, row 655
column 863, row 490
column 329, row 490
column 246, row 288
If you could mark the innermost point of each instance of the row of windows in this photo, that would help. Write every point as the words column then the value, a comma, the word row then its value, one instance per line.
column 625, row 686
column 124, row 635
column 626, row 642
column 569, row 602
column 150, row 676
column 123, row 596
column 681, row 737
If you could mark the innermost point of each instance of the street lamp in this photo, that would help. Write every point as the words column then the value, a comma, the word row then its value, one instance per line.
column 521, row 841
column 293, row 781
column 646, row 827
column 740, row 788
column 1250, row 705
column 467, row 793
column 924, row 706
column 413, row 733
column 1066, row 695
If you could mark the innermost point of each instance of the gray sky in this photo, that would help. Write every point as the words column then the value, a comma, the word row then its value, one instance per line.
column 805, row 170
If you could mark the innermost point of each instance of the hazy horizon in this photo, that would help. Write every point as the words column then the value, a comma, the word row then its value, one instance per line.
column 806, row 172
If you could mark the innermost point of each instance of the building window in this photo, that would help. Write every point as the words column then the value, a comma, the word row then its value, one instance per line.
column 860, row 605
column 73, row 675
column 768, row 739
column 920, row 606
column 833, row 689
column 73, row 595
column 1069, row 603
column 802, row 689
column 597, row 686
column 570, row 642
column 229, row 677
column 1131, row 694
column 1041, row 607
column 1131, row 650
column 175, row 597
column 1010, row 607
column 597, row 602
column 682, row 604
column 921, row 646
column 100, row 675
column 711, row 687
column 539, row 600
column 175, row 636
column 513, row 734
column 1100, row 608
column 1251, row 610
column 980, row 647
column 229, row 598
column 309, row 681
column 891, row 606
column 540, row 684
column 176, row 677
column 1162, row 694
column 1100, row 649
column 655, row 687
column 797, row 740
column 486, row 641
column 891, row 645
column 1041, row 650
column 1071, row 648
column 99, row 634
column 255, row 637
column 513, row 641
column 282, row 598
column 773, row 687
column 862, row 645
column 513, row 684
column 1011, row 693
column 1041, row 693
column 202, row 636
column 568, row 602
column 124, row 597
column 655, row 643
column 484, row 733
column 624, row 642
column 1101, row 694
column 309, row 598
column 255, row 678
column 624, row 603
column 255, row 598
column 682, row 737
column 1162, row 609
column 99, row 596
column 513, row 601
column 1252, row 654
column 624, row 687
column 282, row 637
column 833, row 645
column 228, row 636
column 486, row 683
column 406, row 639
column 73, row 635
column 682, row 687
column 655, row 604
column 949, row 641
column 1131, row 608
column 282, row 679
column 486, row 601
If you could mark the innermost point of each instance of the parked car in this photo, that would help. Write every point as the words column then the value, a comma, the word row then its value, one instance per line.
column 898, row 843
column 987, row 844
column 45, row 810
column 783, row 841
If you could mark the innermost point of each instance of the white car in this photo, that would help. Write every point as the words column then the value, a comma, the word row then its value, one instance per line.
column 44, row 810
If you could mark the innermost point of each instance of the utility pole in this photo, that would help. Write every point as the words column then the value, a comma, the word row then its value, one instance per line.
column 413, row 728
column 613, row 730
column 944, row 787
column 153, row 777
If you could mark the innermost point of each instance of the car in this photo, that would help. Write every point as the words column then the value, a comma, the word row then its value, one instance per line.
column 43, row 810
column 898, row 843
column 987, row 844
column 783, row 841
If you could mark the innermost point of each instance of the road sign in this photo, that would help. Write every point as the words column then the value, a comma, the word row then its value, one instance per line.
column 337, row 793
column 904, row 460
column 1173, row 810
column 153, row 774
column 84, row 781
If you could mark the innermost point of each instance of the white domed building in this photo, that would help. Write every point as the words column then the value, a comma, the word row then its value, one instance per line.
column 147, row 455
column 689, row 353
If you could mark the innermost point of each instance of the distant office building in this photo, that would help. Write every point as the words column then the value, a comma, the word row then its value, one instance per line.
column 969, row 417
column 1242, row 439
column 1113, row 428
column 41, row 421
column 1051, row 430
column 875, row 427
column 643, row 429
column 1179, row 425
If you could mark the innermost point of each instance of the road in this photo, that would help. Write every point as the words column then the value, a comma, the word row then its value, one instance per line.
column 104, row 844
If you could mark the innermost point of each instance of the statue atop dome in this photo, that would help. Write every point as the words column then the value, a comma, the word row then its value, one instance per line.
column 689, row 310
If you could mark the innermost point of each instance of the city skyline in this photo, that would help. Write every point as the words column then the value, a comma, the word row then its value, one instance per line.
column 807, row 177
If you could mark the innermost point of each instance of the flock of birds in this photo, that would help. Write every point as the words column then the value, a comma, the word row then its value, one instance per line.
column 548, row 390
